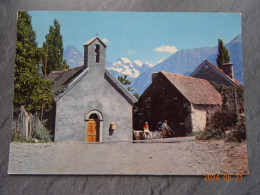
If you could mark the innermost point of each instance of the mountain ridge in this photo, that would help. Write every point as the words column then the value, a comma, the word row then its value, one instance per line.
column 186, row 61
column 182, row 62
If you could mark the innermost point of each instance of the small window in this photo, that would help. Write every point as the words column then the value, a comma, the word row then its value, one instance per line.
column 97, row 53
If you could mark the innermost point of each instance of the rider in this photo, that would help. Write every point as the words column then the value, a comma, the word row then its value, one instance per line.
column 164, row 125
column 163, row 128
column 166, row 130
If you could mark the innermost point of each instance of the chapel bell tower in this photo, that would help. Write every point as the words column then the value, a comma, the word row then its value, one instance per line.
column 95, row 54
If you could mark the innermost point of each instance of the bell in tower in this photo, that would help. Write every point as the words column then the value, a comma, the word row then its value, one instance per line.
column 97, row 53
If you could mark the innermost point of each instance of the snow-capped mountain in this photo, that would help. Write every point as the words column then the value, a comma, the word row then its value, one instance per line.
column 122, row 66
column 125, row 66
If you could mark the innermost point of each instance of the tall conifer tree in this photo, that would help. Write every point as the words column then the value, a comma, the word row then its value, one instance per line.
column 54, row 50
column 223, row 54
column 30, row 89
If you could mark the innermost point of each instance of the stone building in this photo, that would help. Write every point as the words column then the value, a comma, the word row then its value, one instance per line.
column 90, row 104
column 223, row 75
column 185, row 102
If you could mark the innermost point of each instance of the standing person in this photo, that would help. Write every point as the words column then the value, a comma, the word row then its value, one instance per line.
column 146, row 130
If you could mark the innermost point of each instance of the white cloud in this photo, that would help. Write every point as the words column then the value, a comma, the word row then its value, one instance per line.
column 166, row 49
column 106, row 41
column 130, row 51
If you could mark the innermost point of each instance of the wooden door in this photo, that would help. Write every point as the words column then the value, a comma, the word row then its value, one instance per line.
column 92, row 131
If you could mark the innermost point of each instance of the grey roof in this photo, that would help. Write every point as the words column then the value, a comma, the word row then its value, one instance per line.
column 65, row 80
column 62, row 78
column 93, row 39
column 219, row 71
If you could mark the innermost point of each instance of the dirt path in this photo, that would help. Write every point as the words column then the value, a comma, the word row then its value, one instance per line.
column 181, row 158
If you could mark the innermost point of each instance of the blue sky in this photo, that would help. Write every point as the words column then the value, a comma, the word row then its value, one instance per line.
column 145, row 36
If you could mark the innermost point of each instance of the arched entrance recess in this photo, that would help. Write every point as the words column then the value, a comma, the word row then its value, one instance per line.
column 94, row 126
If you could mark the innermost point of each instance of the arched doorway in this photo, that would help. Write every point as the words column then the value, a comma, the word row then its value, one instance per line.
column 94, row 126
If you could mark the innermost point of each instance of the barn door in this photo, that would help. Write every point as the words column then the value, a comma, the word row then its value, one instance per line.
column 92, row 130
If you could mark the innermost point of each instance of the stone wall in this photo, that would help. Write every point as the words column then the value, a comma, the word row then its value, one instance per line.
column 162, row 101
column 200, row 114
column 198, row 117
column 24, row 120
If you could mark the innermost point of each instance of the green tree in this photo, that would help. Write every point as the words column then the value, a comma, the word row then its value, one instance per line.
column 136, row 95
column 125, row 81
column 30, row 89
column 53, row 47
column 223, row 54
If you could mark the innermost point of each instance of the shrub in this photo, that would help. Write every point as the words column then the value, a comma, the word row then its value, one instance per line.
column 239, row 133
column 210, row 133
column 15, row 135
column 42, row 133
column 229, row 117
column 39, row 132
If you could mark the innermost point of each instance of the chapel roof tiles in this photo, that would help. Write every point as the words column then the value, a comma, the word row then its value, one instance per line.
column 62, row 78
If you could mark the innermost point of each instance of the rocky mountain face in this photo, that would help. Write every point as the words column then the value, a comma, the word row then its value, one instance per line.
column 73, row 56
column 186, row 61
